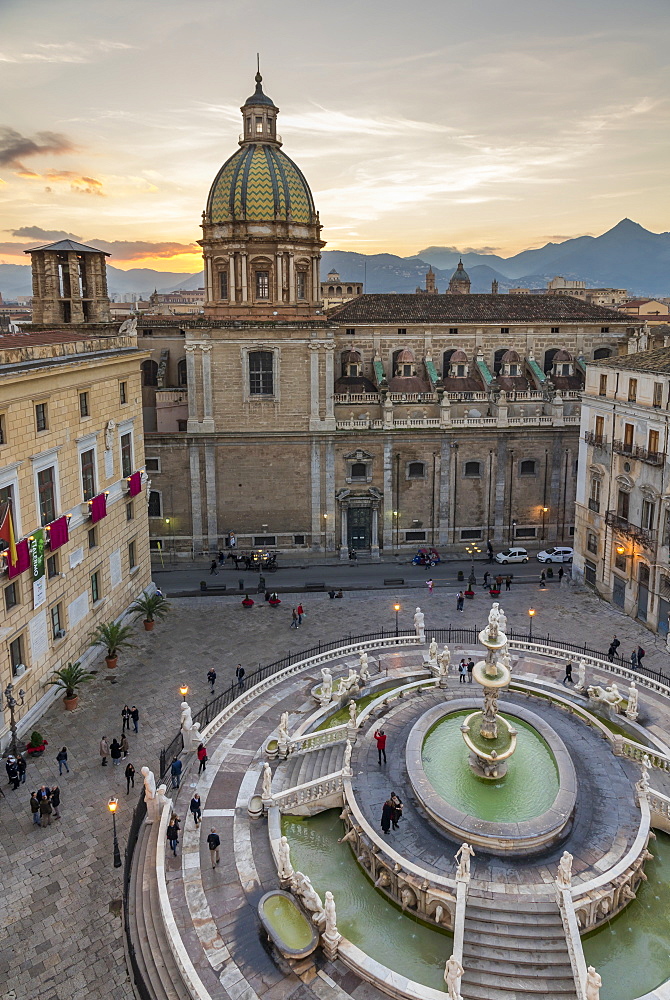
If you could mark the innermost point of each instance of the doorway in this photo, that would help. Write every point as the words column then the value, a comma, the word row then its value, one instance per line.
column 643, row 592
column 359, row 527
column 619, row 592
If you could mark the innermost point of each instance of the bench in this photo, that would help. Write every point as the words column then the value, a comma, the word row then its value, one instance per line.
column 216, row 588
column 315, row 586
column 394, row 582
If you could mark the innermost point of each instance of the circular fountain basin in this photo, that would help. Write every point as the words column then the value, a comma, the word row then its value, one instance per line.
column 488, row 758
column 526, row 812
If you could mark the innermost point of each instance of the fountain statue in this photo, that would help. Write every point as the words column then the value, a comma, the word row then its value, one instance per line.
column 331, row 935
column 346, row 764
column 593, row 984
column 564, row 877
column 631, row 708
column 364, row 669
column 285, row 867
column 352, row 713
column 282, row 730
column 302, row 887
column 463, row 855
column 419, row 625
column 432, row 651
column 453, row 972
column 444, row 659
column 608, row 696
column 581, row 676
column 326, row 691
column 266, row 789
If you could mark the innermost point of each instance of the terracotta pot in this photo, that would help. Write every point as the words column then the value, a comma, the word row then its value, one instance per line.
column 111, row 661
column 148, row 626
column 71, row 703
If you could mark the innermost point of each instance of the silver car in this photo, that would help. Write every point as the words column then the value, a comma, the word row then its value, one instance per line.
column 511, row 556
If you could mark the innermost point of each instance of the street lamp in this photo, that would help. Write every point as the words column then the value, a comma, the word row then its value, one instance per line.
column 545, row 511
column 11, row 704
column 471, row 549
column 531, row 615
column 396, row 608
column 183, row 691
column 112, row 806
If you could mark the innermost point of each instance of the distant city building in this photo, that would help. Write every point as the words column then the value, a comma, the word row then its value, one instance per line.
column 335, row 291
column 651, row 310
column 431, row 287
column 179, row 303
column 459, row 282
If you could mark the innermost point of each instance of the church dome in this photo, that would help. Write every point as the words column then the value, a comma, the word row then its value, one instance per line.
column 260, row 183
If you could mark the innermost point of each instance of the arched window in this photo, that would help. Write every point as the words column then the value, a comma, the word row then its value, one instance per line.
column 339, row 289
column 261, row 375
column 527, row 467
column 223, row 284
column 497, row 359
column 472, row 469
column 602, row 352
column 149, row 372
column 446, row 361
column 181, row 372
column 154, row 503
column 331, row 291
column 549, row 359
column 262, row 284
column 348, row 289
column 416, row 470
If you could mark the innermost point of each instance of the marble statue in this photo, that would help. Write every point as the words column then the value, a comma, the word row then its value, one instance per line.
column 432, row 651
column 564, row 877
column 444, row 659
column 284, row 857
column 346, row 764
column 490, row 701
column 149, row 783
column 407, row 898
column 266, row 790
column 606, row 696
column 162, row 797
column 581, row 676
column 331, row 918
column 463, row 856
column 419, row 624
column 308, row 894
column 110, row 427
column 326, row 694
column 593, row 984
column 364, row 669
column 352, row 712
column 186, row 718
column 342, row 687
column 384, row 879
column 352, row 679
column 494, row 619
column 282, row 729
column 631, row 708
column 439, row 914
column 502, row 620
column 453, row 972
column 129, row 326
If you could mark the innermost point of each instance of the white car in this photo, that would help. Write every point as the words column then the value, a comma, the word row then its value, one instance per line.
column 562, row 554
column 512, row 555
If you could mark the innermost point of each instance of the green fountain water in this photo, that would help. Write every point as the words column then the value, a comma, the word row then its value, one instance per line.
column 527, row 790
column 289, row 923
column 341, row 716
column 364, row 915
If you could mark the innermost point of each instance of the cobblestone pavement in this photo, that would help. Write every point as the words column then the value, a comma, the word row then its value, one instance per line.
column 60, row 923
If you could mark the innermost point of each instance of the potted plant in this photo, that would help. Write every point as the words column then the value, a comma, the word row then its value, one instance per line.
column 494, row 592
column 469, row 594
column 70, row 678
column 247, row 602
column 113, row 636
column 36, row 744
column 149, row 607
column 460, row 576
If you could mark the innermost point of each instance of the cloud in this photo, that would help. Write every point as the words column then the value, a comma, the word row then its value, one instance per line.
column 79, row 183
column 65, row 52
column 139, row 249
column 37, row 233
column 15, row 147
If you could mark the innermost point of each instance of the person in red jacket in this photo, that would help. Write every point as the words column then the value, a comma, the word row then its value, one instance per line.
column 380, row 737
column 202, row 757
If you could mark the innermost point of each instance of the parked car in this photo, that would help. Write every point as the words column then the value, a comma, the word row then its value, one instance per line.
column 512, row 555
column 426, row 557
column 558, row 554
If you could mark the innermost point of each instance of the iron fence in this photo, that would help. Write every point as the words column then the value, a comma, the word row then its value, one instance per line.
column 139, row 813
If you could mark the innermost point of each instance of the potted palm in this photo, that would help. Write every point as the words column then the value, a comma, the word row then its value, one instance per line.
column 113, row 636
column 70, row 678
column 149, row 607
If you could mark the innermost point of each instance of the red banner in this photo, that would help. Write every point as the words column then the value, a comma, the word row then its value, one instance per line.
column 22, row 560
column 135, row 484
column 58, row 533
column 98, row 508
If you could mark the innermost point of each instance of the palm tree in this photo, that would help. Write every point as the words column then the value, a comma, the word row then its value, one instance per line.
column 114, row 637
column 70, row 678
column 150, row 606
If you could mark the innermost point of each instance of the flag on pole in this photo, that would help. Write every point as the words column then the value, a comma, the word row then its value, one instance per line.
column 7, row 531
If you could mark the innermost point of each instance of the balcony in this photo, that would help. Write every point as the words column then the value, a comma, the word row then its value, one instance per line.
column 635, row 451
column 643, row 536
column 596, row 441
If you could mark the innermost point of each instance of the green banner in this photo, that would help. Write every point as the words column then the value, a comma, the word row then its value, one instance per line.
column 36, row 546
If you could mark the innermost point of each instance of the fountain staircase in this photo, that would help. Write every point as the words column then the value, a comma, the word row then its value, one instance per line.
column 514, row 949
column 308, row 765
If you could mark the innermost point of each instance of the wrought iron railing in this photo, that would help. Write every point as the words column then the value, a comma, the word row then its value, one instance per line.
column 597, row 440
column 643, row 536
column 636, row 451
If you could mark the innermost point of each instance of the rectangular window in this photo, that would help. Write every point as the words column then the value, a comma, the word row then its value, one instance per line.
column 126, row 455
column 592, row 543
column 16, row 655
column 590, row 573
column 594, row 499
column 130, row 511
column 11, row 596
column 53, row 567
column 132, row 560
column 46, row 488
column 620, row 561
column 298, row 539
column 262, row 284
column 652, row 446
column 416, row 536
column 265, row 539
column 152, row 464
column 3, row 432
column 350, row 331
column 628, row 435
column 648, row 511
column 123, row 393
column 600, row 428
column 525, row 532
column 658, row 394
column 468, row 534
column 41, row 417
column 604, row 329
column 261, row 382
column 154, row 503
column 453, row 330
column 402, row 331
column 301, row 285
column 623, row 504
column 56, row 621
column 83, row 405
column 632, row 390
column 603, row 386
column 555, row 329
column 95, row 587
column 92, row 538
column 504, row 329
column 259, row 124
column 223, row 284
column 182, row 426
column 87, row 460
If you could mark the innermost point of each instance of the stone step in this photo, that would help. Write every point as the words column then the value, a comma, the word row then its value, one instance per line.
column 514, row 917
column 502, row 985
column 478, row 991
column 496, row 963
column 509, row 904
column 137, row 936
column 516, row 929
column 309, row 766
column 159, row 950
column 482, row 937
column 535, row 957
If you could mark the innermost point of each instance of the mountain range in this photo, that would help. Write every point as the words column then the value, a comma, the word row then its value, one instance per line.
column 626, row 256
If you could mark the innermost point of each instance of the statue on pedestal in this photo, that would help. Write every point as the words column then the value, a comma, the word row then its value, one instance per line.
column 502, row 620
column 419, row 624
column 150, row 797
column 342, row 687
column 564, row 877
column 161, row 797
column 364, row 668
column 463, row 856
column 352, row 680
column 331, row 932
column 453, row 971
column 266, row 790
column 432, row 651
column 444, row 659
column 302, row 886
column 282, row 730
column 593, row 984
column 326, row 686
column 352, row 712
column 346, row 764
column 631, row 708
column 186, row 719
column 494, row 619
column 581, row 676
column 284, row 860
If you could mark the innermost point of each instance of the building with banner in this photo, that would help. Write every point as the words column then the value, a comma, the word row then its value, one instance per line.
column 73, row 510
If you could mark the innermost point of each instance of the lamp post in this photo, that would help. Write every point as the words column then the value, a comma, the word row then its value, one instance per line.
column 396, row 608
column 11, row 703
column 471, row 549
column 112, row 806
column 183, row 691
column 544, row 514
column 531, row 615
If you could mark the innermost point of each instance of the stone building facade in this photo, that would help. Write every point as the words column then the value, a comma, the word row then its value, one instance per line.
column 622, row 531
column 71, row 461
column 69, row 284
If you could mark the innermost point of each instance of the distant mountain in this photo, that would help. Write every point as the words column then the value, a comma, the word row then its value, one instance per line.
column 15, row 279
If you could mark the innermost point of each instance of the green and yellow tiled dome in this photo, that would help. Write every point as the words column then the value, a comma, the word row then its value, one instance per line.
column 259, row 183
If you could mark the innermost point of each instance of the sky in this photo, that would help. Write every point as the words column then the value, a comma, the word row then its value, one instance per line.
column 479, row 125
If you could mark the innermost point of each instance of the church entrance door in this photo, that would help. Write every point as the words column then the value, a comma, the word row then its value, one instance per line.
column 359, row 525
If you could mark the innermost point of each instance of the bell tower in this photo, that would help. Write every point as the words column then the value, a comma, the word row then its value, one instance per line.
column 69, row 283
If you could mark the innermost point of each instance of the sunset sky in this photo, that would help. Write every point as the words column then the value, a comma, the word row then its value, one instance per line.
column 477, row 125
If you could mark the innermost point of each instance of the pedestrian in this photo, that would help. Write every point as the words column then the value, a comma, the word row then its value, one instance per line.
column 214, row 842
column 35, row 808
column 429, row 584
column 633, row 660
column 43, row 793
column 115, row 752
column 104, row 750
column 46, row 809
column 12, row 772
column 125, row 748
column 196, row 808
column 130, row 777
column 380, row 737
column 486, row 579
column 222, row 558
column 471, row 667
column 55, row 801
column 560, row 574
column 175, row 770
column 172, row 833
column 294, row 619
column 21, row 768
column 61, row 757
column 135, row 716
column 211, row 679
column 462, row 671
column 396, row 816
column 611, row 652
column 489, row 550
column 202, row 757
column 300, row 611
column 508, row 582
column 460, row 601
column 640, row 654
column 387, row 816
column 543, row 578
column 212, row 569
column 568, row 674
column 125, row 717
column 239, row 673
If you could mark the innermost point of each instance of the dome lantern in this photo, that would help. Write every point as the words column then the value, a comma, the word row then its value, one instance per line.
column 259, row 117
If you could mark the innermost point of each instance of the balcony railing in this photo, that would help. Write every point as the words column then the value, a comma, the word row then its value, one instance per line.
column 635, row 451
column 598, row 441
column 643, row 536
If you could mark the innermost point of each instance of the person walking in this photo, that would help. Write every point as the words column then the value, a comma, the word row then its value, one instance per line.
column 387, row 816
column 55, row 801
column 46, row 809
column 508, row 582
column 471, row 667
column 115, row 752
column 176, row 768
column 211, row 679
column 543, row 578
column 568, row 674
column 135, row 716
column 61, row 757
column 195, row 808
column 462, row 671
column 130, row 776
column 486, row 579
column 21, row 768
column 429, row 584
column 239, row 674
column 294, row 619
column 172, row 834
column 633, row 660
column 489, row 550
column 125, row 748
column 202, row 758
column 396, row 802
column 640, row 654
column 214, row 842
column 104, row 750
column 222, row 558
column 125, row 718
column 35, row 808
column 213, row 571
column 13, row 772
column 560, row 574
column 611, row 652
column 380, row 738
column 460, row 601
column 300, row 612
